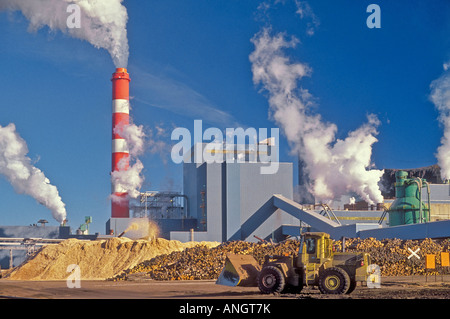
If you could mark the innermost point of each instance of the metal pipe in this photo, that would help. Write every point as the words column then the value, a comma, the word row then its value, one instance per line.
column 418, row 181
column 429, row 201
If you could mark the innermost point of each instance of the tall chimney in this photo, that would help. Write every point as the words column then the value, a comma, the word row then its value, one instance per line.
column 120, row 154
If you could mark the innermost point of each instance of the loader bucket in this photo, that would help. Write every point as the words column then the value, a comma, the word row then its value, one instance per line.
column 239, row 270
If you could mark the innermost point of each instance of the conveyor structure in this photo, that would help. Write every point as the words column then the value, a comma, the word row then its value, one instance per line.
column 318, row 222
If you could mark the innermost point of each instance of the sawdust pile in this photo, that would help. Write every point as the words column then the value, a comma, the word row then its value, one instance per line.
column 100, row 259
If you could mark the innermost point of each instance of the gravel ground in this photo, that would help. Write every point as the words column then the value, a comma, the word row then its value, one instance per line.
column 416, row 287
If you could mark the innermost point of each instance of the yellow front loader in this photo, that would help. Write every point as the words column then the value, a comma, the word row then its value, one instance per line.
column 316, row 264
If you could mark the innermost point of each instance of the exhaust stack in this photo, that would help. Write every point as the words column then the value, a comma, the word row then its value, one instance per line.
column 120, row 153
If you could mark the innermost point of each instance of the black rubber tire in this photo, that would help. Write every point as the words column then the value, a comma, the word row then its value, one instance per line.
column 334, row 280
column 271, row 280
column 352, row 286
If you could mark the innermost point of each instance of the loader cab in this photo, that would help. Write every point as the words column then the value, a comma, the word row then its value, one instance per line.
column 310, row 245
column 315, row 247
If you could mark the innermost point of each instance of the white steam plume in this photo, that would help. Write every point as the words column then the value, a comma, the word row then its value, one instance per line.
column 16, row 166
column 135, row 137
column 102, row 22
column 138, row 142
column 130, row 180
column 335, row 167
column 440, row 96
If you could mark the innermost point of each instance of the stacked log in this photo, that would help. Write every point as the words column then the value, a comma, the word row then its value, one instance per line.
column 201, row 262
column 398, row 257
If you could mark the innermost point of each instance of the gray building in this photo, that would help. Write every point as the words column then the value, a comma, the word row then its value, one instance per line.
column 18, row 242
column 223, row 195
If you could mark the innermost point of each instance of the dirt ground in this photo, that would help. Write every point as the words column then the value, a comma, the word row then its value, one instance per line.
column 416, row 287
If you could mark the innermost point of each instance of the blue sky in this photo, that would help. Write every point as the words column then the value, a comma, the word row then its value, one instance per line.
column 189, row 59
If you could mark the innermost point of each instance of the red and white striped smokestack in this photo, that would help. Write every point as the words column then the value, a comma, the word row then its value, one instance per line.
column 120, row 154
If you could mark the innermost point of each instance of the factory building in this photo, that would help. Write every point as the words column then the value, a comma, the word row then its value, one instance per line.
column 17, row 243
column 439, row 201
column 217, row 198
column 349, row 212
column 232, row 200
column 223, row 195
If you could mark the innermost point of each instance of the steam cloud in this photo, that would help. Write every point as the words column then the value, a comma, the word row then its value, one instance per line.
column 23, row 176
column 440, row 96
column 102, row 22
column 335, row 167
column 139, row 141
column 130, row 180
column 135, row 137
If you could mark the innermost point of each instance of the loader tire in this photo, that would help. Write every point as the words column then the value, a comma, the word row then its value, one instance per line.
column 334, row 280
column 352, row 286
column 271, row 280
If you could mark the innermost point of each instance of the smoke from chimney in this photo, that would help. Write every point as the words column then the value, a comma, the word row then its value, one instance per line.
column 16, row 166
column 130, row 180
column 135, row 137
column 335, row 167
column 440, row 96
column 102, row 22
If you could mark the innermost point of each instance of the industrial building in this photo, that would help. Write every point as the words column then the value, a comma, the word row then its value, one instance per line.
column 231, row 200
column 217, row 199
column 19, row 242
column 222, row 196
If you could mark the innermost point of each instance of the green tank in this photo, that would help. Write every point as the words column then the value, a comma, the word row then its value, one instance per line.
column 408, row 207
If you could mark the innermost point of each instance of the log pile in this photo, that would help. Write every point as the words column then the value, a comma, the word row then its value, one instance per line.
column 392, row 254
column 201, row 262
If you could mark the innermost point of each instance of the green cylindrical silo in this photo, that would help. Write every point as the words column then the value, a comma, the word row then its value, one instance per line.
column 408, row 207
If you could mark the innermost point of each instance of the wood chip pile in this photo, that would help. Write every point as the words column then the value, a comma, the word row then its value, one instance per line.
column 97, row 259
